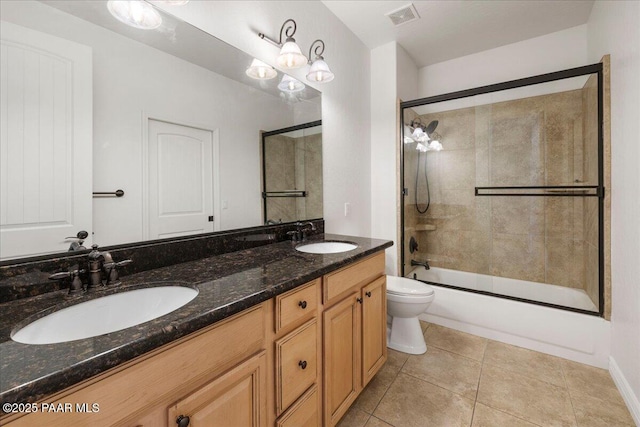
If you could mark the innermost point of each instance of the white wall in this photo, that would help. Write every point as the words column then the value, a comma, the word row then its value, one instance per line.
column 544, row 54
column 130, row 78
column 393, row 75
column 614, row 28
column 345, row 100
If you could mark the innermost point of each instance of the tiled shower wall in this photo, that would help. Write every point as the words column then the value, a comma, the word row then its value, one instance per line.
column 291, row 164
column 542, row 140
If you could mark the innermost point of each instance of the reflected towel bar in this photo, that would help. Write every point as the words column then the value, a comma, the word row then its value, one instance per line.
column 287, row 193
column 117, row 193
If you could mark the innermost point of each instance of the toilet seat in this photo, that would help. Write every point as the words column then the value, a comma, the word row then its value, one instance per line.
column 403, row 286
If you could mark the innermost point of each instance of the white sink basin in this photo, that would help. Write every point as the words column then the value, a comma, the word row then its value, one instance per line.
column 104, row 315
column 326, row 247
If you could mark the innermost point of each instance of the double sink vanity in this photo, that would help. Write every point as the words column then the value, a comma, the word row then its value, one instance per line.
column 284, row 333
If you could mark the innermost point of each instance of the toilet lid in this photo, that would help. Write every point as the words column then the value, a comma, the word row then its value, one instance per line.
column 404, row 286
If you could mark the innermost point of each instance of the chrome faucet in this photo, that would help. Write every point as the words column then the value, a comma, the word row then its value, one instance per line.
column 424, row 264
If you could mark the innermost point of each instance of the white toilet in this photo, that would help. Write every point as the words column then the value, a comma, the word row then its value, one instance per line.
column 406, row 299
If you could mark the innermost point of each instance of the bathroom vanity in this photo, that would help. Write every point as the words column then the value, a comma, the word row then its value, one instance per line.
column 275, row 337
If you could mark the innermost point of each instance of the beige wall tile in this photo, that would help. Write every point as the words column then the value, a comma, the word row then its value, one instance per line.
column 518, row 256
column 517, row 215
column 564, row 262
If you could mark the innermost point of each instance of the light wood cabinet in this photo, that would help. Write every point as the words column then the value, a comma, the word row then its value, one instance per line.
column 305, row 412
column 341, row 357
column 237, row 398
column 354, row 338
column 374, row 328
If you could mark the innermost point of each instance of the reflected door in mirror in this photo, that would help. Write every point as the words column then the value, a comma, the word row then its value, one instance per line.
column 46, row 142
column 181, row 170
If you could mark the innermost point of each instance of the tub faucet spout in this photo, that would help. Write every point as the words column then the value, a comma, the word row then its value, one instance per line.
column 425, row 264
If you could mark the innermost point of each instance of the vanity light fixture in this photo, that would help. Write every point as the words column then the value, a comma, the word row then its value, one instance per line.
column 261, row 71
column 319, row 71
column 135, row 13
column 290, row 85
column 290, row 54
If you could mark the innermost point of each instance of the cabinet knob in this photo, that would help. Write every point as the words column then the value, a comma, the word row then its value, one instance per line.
column 182, row 421
column 368, row 294
column 303, row 364
column 359, row 300
column 303, row 304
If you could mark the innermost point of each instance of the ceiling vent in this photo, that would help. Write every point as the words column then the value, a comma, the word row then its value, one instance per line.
column 406, row 13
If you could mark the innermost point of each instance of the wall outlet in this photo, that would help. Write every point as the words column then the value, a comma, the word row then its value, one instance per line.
column 347, row 209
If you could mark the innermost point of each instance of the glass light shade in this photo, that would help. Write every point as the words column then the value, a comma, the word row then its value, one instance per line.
column 435, row 145
column 290, row 85
column 290, row 55
column 419, row 135
column 261, row 71
column 319, row 71
column 135, row 13
column 421, row 147
column 407, row 137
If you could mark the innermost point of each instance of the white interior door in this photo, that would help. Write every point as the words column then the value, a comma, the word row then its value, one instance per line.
column 180, row 180
column 45, row 142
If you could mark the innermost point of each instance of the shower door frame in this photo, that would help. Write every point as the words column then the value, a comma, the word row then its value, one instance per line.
column 596, row 69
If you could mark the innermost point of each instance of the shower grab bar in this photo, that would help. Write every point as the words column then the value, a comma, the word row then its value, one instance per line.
column 286, row 193
column 545, row 190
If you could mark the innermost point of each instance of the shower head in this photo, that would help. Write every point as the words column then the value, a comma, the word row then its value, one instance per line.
column 431, row 127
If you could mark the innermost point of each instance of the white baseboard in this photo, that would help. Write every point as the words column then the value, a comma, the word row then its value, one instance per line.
column 627, row 393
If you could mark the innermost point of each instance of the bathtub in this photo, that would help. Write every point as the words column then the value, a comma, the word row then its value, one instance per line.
column 551, row 294
column 576, row 336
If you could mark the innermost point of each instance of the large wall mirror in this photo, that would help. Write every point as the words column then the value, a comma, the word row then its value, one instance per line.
column 169, row 116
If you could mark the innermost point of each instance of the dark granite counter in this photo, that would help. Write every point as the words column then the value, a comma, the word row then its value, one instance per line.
column 227, row 284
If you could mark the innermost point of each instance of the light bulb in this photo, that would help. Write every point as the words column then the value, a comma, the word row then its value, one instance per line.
column 135, row 13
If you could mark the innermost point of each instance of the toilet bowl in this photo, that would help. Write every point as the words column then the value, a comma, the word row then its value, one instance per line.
column 406, row 299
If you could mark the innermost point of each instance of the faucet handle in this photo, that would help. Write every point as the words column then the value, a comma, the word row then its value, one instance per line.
column 111, row 268
column 294, row 235
column 76, row 283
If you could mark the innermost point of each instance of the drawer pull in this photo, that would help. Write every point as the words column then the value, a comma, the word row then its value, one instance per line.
column 182, row 421
column 303, row 364
column 368, row 294
column 359, row 300
column 302, row 304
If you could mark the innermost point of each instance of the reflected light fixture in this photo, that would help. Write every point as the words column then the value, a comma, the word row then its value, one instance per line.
column 425, row 136
column 290, row 54
column 319, row 71
column 290, row 85
column 135, row 13
column 261, row 71
column 172, row 2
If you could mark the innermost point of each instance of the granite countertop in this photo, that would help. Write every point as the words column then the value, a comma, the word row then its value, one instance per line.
column 227, row 284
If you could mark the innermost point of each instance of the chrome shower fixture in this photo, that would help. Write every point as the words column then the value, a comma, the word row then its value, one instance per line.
column 425, row 136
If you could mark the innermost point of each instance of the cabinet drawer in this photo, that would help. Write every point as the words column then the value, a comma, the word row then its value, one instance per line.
column 304, row 413
column 296, row 304
column 341, row 281
column 296, row 364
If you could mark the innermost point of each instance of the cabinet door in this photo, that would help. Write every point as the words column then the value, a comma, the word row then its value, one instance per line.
column 374, row 328
column 341, row 357
column 237, row 398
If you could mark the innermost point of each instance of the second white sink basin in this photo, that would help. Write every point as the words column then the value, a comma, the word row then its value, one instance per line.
column 326, row 247
column 104, row 315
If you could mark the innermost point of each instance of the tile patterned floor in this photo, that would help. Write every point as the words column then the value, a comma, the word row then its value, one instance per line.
column 465, row 380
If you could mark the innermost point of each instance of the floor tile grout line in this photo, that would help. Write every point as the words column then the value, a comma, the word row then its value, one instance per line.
column 496, row 365
column 453, row 352
column 510, row 414
column 439, row 386
column 388, row 387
